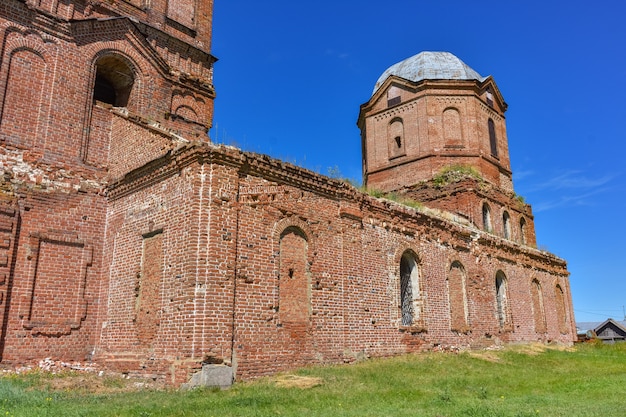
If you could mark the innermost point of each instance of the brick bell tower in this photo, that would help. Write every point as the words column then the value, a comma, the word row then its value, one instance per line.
column 89, row 90
column 149, row 57
column 434, row 129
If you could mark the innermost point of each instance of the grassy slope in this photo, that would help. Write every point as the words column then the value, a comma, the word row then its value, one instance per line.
column 586, row 381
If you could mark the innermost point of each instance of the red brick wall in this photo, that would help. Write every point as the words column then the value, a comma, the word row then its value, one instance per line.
column 133, row 144
column 186, row 19
column 53, row 277
column 445, row 123
column 123, row 242
column 251, row 230
column 466, row 197
column 52, row 68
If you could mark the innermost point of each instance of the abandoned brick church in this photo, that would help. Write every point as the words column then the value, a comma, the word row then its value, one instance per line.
column 128, row 239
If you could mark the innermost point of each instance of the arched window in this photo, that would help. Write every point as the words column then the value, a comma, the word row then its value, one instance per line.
column 561, row 311
column 501, row 299
column 457, row 297
column 522, row 230
column 396, row 138
column 506, row 225
column 538, row 309
column 492, row 138
column 486, row 218
column 114, row 80
column 409, row 288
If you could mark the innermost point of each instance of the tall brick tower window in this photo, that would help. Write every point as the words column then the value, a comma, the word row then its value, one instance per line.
column 506, row 224
column 486, row 218
column 522, row 231
column 492, row 138
column 409, row 288
column 114, row 81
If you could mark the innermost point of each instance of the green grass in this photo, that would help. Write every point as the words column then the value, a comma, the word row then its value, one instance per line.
column 589, row 380
column 455, row 173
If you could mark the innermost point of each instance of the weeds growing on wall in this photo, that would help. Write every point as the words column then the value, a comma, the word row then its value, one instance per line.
column 455, row 173
column 335, row 173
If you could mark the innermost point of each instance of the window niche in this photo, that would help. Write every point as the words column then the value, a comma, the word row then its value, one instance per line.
column 538, row 307
column 294, row 281
column 561, row 311
column 21, row 111
column 452, row 132
column 395, row 138
column 457, row 296
column 55, row 303
column 148, row 288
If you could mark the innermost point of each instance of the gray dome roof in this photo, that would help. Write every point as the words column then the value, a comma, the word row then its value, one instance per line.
column 430, row 66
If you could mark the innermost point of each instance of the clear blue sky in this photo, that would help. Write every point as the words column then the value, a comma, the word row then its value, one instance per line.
column 291, row 76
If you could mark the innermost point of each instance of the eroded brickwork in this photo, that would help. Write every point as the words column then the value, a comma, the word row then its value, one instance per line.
column 289, row 275
column 128, row 239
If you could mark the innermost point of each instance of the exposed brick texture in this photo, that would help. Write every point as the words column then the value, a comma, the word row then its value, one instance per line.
column 128, row 239
column 443, row 123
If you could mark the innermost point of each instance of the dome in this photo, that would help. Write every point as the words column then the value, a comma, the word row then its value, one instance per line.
column 430, row 66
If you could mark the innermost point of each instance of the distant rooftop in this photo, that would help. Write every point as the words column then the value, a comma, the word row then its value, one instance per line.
column 592, row 325
column 430, row 66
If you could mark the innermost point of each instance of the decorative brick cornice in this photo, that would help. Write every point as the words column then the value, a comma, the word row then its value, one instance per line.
column 495, row 116
column 396, row 111
column 255, row 164
column 376, row 211
column 450, row 100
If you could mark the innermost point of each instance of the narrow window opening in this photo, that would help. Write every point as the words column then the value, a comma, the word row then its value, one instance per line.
column 506, row 224
column 501, row 301
column 486, row 218
column 406, row 293
column 522, row 230
column 396, row 138
column 409, row 289
column 492, row 138
column 489, row 98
